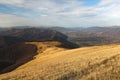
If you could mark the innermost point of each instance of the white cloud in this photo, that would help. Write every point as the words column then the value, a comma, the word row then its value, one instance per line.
column 108, row 2
column 7, row 20
column 64, row 13
column 12, row 2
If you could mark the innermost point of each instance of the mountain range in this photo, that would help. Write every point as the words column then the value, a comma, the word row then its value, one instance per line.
column 92, row 36
column 59, row 53
column 13, row 45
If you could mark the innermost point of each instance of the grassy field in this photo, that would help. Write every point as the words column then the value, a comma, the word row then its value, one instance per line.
column 87, row 63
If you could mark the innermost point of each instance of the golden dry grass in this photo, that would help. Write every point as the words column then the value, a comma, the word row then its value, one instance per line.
column 88, row 63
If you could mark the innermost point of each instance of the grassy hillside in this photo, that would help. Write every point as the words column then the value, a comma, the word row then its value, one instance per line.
column 16, row 55
column 87, row 63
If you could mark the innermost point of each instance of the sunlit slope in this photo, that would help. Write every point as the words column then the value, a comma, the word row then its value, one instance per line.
column 88, row 63
column 22, row 53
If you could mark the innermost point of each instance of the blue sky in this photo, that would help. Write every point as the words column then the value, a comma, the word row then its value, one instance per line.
column 90, row 2
column 65, row 13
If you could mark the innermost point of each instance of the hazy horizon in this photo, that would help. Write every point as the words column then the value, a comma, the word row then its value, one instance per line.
column 64, row 13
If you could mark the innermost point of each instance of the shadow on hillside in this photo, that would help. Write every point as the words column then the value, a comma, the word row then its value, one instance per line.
column 14, row 56
column 18, row 54
column 68, row 45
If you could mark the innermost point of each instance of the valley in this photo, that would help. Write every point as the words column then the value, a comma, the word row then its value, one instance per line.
column 87, row 63
column 49, row 54
column 59, row 40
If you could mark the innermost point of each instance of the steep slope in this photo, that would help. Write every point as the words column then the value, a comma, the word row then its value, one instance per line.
column 35, row 34
column 6, row 41
column 2, row 42
column 14, row 50
column 88, row 63
column 16, row 35
column 16, row 55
